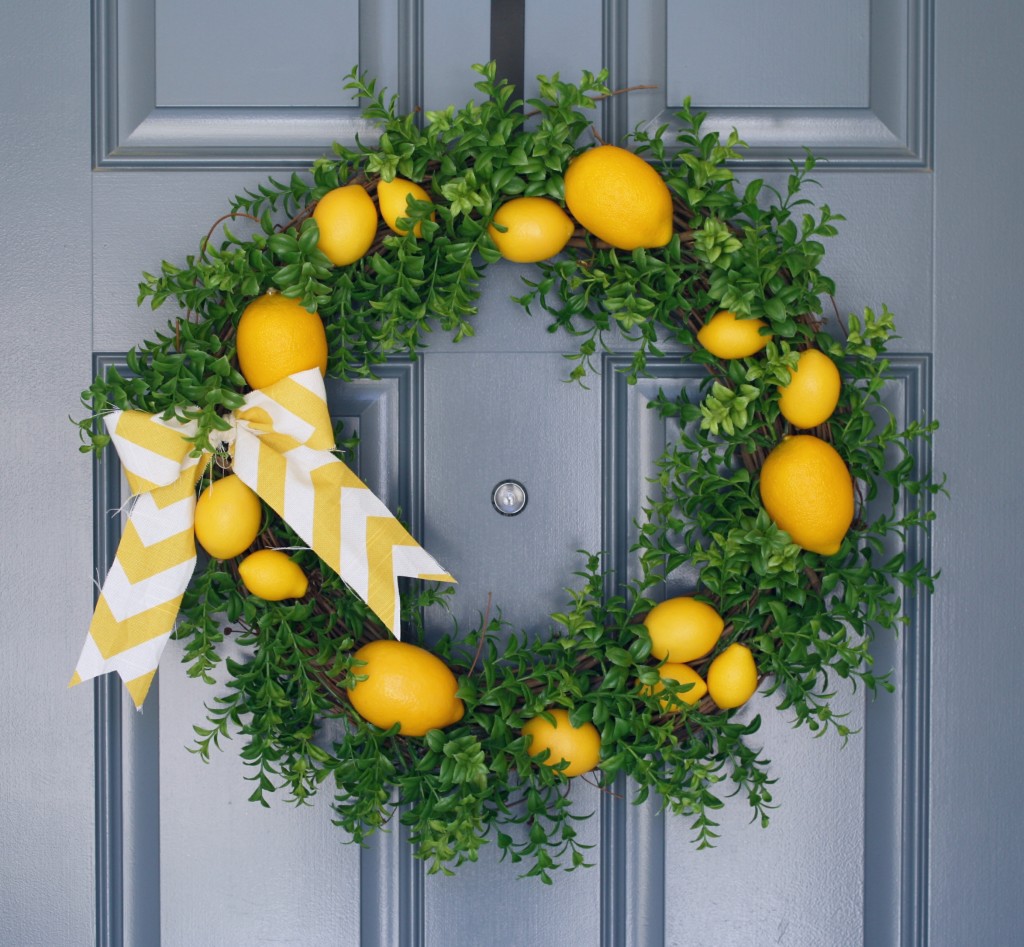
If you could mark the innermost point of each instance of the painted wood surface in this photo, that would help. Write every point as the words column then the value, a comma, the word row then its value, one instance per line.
column 907, row 836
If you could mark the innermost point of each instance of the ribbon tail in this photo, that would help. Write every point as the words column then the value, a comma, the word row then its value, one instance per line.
column 340, row 518
column 352, row 531
column 139, row 601
column 391, row 552
column 359, row 537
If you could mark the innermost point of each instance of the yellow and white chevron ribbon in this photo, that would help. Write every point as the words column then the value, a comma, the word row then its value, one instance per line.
column 281, row 443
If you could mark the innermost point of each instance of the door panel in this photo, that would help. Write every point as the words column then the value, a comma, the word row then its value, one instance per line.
column 167, row 94
column 834, row 40
column 487, row 904
column 848, row 817
column 303, row 66
column 502, row 406
column 216, row 848
column 866, row 112
column 191, row 842
column 799, row 881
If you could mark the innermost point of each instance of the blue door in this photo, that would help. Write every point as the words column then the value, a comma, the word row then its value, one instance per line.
column 906, row 835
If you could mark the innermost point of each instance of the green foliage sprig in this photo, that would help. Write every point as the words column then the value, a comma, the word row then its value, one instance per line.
column 808, row 619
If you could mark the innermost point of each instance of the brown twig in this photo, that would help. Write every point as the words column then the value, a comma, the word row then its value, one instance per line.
column 203, row 244
column 813, row 578
column 230, row 216
column 835, row 308
column 306, row 211
column 599, row 787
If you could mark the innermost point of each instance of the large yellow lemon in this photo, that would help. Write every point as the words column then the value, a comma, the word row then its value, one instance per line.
column 807, row 490
column 683, row 629
column 536, row 229
column 277, row 338
column 272, row 575
column 727, row 336
column 681, row 674
column 813, row 390
column 619, row 198
column 393, row 200
column 732, row 677
column 407, row 685
column 228, row 518
column 347, row 218
column 579, row 746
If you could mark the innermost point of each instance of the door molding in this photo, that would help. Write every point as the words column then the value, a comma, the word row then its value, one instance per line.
column 894, row 129
column 896, row 729
column 632, row 844
column 386, row 410
column 132, row 131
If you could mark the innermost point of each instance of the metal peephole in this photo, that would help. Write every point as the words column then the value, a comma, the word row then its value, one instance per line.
column 509, row 497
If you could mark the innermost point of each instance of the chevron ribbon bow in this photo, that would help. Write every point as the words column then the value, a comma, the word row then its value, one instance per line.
column 281, row 442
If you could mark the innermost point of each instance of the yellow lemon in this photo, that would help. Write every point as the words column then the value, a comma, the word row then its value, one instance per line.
column 732, row 677
column 579, row 746
column 619, row 198
column 405, row 684
column 807, row 490
column 272, row 575
column 347, row 218
column 536, row 229
column 393, row 200
column 813, row 390
column 277, row 338
column 727, row 336
column 228, row 518
column 683, row 629
column 681, row 674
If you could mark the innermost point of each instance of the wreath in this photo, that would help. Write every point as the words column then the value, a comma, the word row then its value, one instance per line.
column 789, row 512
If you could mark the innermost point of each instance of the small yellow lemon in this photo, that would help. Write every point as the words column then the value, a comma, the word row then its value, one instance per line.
column 813, row 390
column 272, row 575
column 393, row 200
column 807, row 490
column 580, row 746
column 727, row 336
column 683, row 629
column 619, row 198
column 228, row 518
column 277, row 338
column 536, row 229
column 347, row 218
column 404, row 684
column 681, row 674
column 732, row 677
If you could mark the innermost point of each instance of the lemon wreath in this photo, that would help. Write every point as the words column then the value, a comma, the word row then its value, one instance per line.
column 766, row 490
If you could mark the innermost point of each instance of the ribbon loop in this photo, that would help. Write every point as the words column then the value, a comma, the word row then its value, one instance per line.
column 156, row 557
column 281, row 446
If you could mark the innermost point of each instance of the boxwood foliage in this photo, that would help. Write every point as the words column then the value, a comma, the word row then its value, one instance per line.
column 757, row 250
